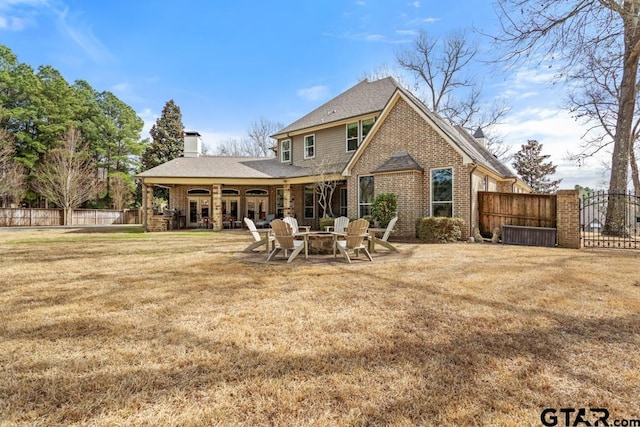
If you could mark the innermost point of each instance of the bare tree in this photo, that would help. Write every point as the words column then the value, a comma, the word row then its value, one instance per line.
column 122, row 190
column 12, row 174
column 67, row 176
column 564, row 32
column 260, row 132
column 440, row 67
column 257, row 144
column 327, row 179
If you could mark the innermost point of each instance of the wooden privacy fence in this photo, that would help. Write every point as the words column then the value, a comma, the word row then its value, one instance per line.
column 527, row 210
column 34, row 217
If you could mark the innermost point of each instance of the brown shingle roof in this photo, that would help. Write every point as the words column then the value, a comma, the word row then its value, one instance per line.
column 225, row 167
column 399, row 162
column 364, row 98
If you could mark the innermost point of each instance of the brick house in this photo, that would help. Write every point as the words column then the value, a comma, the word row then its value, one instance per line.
column 374, row 138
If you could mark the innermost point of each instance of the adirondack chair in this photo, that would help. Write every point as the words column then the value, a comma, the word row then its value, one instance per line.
column 339, row 224
column 293, row 223
column 285, row 241
column 356, row 233
column 384, row 239
column 259, row 240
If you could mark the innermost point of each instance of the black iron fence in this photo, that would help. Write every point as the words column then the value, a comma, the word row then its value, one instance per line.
column 610, row 220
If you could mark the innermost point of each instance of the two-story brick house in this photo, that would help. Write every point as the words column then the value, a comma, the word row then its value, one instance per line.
column 374, row 138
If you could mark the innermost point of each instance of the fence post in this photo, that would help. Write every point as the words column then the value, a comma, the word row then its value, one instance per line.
column 568, row 219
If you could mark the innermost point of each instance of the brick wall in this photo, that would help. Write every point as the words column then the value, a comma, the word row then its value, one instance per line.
column 404, row 130
column 568, row 218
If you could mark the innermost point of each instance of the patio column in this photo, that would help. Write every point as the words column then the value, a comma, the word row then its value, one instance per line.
column 147, row 199
column 286, row 202
column 216, row 206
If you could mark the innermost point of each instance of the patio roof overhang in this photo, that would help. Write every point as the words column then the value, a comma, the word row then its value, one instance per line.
column 169, row 181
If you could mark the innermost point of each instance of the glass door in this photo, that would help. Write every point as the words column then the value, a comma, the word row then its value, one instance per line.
column 199, row 214
column 257, row 208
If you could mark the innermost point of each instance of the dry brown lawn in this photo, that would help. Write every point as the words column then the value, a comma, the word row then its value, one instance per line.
column 178, row 329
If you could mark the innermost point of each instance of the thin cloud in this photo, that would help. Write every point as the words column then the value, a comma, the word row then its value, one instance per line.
column 415, row 4
column 313, row 93
column 83, row 37
column 17, row 15
column 367, row 37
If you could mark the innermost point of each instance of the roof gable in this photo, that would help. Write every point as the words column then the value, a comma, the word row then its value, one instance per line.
column 364, row 98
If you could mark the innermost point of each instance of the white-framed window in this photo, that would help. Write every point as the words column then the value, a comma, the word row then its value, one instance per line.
column 279, row 202
column 285, row 150
column 357, row 132
column 343, row 201
column 309, row 146
column 442, row 192
column 365, row 195
column 310, row 201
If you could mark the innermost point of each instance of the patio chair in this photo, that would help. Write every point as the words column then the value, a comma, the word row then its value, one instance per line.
column 293, row 223
column 266, row 222
column 383, row 240
column 356, row 233
column 258, row 239
column 339, row 224
column 285, row 241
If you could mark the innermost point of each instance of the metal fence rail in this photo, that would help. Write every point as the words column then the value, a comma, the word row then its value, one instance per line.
column 593, row 220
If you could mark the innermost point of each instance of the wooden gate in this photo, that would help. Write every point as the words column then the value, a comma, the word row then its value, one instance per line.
column 527, row 210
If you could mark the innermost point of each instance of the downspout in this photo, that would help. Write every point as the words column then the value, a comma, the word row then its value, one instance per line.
column 475, row 166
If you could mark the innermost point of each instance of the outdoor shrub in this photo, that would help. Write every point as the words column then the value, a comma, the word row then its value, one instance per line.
column 439, row 229
column 326, row 222
column 384, row 208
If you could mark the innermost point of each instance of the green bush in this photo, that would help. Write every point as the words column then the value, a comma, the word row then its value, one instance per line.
column 385, row 206
column 325, row 222
column 439, row 229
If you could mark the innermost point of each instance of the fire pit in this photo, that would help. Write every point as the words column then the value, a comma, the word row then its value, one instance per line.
column 320, row 242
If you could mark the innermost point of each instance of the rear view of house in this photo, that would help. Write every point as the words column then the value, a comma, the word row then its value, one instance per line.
column 374, row 138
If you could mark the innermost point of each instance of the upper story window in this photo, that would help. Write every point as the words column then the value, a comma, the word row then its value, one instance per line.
column 442, row 192
column 285, row 151
column 309, row 146
column 357, row 132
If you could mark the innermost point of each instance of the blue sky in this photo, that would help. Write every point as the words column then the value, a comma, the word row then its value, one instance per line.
column 227, row 63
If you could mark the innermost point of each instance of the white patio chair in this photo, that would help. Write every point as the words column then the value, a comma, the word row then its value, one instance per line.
column 293, row 223
column 259, row 240
column 339, row 224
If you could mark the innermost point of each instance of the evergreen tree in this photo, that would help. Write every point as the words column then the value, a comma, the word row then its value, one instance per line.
column 530, row 164
column 168, row 137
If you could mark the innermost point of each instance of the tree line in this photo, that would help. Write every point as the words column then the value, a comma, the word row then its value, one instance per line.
column 41, row 114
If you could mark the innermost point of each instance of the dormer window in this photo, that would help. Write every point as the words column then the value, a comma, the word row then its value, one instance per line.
column 309, row 146
column 285, row 151
column 357, row 132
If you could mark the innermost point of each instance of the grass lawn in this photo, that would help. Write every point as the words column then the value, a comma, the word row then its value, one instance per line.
column 177, row 329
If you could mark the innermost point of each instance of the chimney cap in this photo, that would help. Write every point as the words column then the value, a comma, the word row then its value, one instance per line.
column 478, row 133
column 191, row 133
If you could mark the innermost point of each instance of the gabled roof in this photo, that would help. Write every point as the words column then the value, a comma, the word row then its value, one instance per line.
column 364, row 98
column 398, row 162
column 225, row 167
column 459, row 138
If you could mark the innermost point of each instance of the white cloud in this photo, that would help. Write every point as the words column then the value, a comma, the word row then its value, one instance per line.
column 82, row 35
column 415, row 4
column 313, row 93
column 560, row 135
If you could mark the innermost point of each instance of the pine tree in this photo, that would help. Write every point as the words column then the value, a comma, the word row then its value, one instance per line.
column 168, row 137
column 530, row 164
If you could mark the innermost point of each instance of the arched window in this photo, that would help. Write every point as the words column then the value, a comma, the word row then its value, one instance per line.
column 230, row 192
column 256, row 192
column 198, row 192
